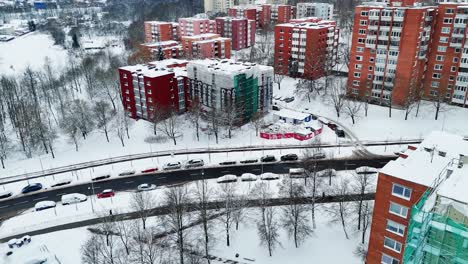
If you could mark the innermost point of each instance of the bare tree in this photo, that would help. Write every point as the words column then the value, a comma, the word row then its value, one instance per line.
column 203, row 194
column 340, row 211
column 214, row 122
column 143, row 203
column 230, row 117
column 170, row 125
column 337, row 96
column 91, row 250
column 5, row 145
column 227, row 193
column 438, row 104
column 367, row 210
column 121, row 126
column 82, row 115
column 103, row 114
column 124, row 232
column 411, row 100
column 352, row 108
column 362, row 184
column 257, row 122
column 176, row 199
column 194, row 115
column 278, row 78
column 294, row 219
column 309, row 88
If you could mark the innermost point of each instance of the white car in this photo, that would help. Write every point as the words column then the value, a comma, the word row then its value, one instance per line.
column 227, row 178
column 269, row 176
column 146, row 187
column 73, row 198
column 172, row 166
column 248, row 177
column 42, row 205
column 193, row 163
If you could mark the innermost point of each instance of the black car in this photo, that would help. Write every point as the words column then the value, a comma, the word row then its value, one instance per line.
column 32, row 188
column 268, row 158
column 275, row 108
column 340, row 132
column 289, row 157
column 5, row 194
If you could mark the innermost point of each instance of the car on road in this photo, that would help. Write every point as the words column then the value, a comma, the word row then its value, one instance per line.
column 249, row 160
column 5, row 194
column 33, row 187
column 275, row 108
column 100, row 177
column 61, row 182
column 172, row 166
column 106, row 193
column 340, row 132
column 42, row 205
column 268, row 158
column 73, row 198
column 289, row 99
column 146, row 187
column 297, row 173
column 332, row 126
column 150, row 170
column 289, row 157
column 127, row 173
column 318, row 155
column 193, row 163
column 228, row 162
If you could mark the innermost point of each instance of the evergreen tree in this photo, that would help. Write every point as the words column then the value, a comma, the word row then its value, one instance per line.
column 75, row 43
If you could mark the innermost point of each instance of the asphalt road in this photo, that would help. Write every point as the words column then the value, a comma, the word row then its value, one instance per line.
column 22, row 202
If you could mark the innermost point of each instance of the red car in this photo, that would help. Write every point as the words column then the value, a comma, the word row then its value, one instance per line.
column 106, row 193
column 149, row 170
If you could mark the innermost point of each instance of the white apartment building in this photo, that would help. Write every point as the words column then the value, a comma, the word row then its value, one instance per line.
column 320, row 10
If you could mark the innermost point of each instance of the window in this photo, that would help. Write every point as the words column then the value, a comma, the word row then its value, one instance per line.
column 362, row 22
column 453, row 69
column 358, row 66
column 356, row 83
column 359, row 49
column 150, row 100
column 439, row 58
column 399, row 210
column 447, row 20
column 443, row 39
column 441, row 49
column 364, row 13
column 455, row 60
column 395, row 227
column 149, row 92
column 386, row 259
column 438, row 67
column 126, row 83
column 148, row 83
column 436, row 75
column 125, row 76
column 392, row 244
column 359, row 58
column 445, row 30
column 362, row 31
column 401, row 191
column 435, row 84
column 357, row 74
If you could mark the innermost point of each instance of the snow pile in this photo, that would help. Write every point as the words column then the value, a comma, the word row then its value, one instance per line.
column 227, row 178
column 28, row 253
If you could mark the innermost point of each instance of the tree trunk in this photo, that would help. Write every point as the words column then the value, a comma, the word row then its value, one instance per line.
column 352, row 118
column 121, row 140
column 107, row 135
column 437, row 111
column 197, row 128
column 174, row 140
column 228, row 241
column 3, row 163
column 52, row 151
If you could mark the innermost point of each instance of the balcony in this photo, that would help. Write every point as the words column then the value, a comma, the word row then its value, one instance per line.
column 398, row 18
column 373, row 27
column 384, row 28
column 386, row 18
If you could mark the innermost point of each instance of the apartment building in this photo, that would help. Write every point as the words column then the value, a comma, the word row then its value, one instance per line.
column 389, row 52
column 241, row 31
column 399, row 233
column 155, row 86
column 249, row 12
column 320, row 10
column 157, row 31
column 170, row 49
column 447, row 66
column 206, row 46
column 217, row 6
column 264, row 14
column 307, row 49
column 221, row 84
column 195, row 26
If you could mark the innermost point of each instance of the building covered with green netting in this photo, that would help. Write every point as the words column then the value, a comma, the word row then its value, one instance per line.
column 438, row 227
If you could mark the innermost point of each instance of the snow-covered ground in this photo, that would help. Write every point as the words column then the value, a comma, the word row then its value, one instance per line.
column 326, row 245
column 31, row 220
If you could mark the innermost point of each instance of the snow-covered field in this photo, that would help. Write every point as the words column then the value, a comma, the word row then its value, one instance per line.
column 326, row 245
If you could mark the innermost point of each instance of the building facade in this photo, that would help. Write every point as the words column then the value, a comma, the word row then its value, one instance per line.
column 320, row 10
column 224, row 84
column 218, row 6
column 401, row 184
column 206, row 46
column 157, row 31
column 241, row 31
column 307, row 50
column 170, row 49
column 432, row 65
column 156, row 86
column 195, row 26
column 389, row 51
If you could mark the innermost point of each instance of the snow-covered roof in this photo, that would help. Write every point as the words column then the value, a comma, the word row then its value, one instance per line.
column 159, row 68
column 202, row 36
column 286, row 113
column 161, row 43
column 311, row 25
column 211, row 40
column 438, row 151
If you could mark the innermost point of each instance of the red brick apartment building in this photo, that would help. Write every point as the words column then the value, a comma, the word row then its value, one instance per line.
column 400, row 185
column 157, row 31
column 195, row 26
column 241, row 31
column 158, row 85
column 399, row 53
column 306, row 49
column 264, row 14
column 206, row 46
column 171, row 48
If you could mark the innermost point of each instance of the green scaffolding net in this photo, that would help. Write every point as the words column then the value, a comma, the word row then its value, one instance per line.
column 437, row 232
column 246, row 89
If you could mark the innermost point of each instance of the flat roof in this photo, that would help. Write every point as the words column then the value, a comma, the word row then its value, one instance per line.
column 291, row 114
column 158, row 68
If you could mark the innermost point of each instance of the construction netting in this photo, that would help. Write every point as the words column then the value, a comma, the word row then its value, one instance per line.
column 246, row 89
column 437, row 232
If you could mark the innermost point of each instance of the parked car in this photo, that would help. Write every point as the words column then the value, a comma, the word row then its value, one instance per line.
column 33, row 187
column 332, row 126
column 248, row 177
column 73, row 198
column 106, row 193
column 193, row 163
column 100, row 177
column 5, row 194
column 42, row 205
column 127, row 173
column 172, row 166
column 61, row 182
column 289, row 157
column 225, row 163
column 146, row 187
column 289, row 99
column 340, row 132
column 275, row 108
column 248, row 161
column 227, row 178
column 268, row 158
column 268, row 176
column 318, row 155
column 150, row 170
column 297, row 173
